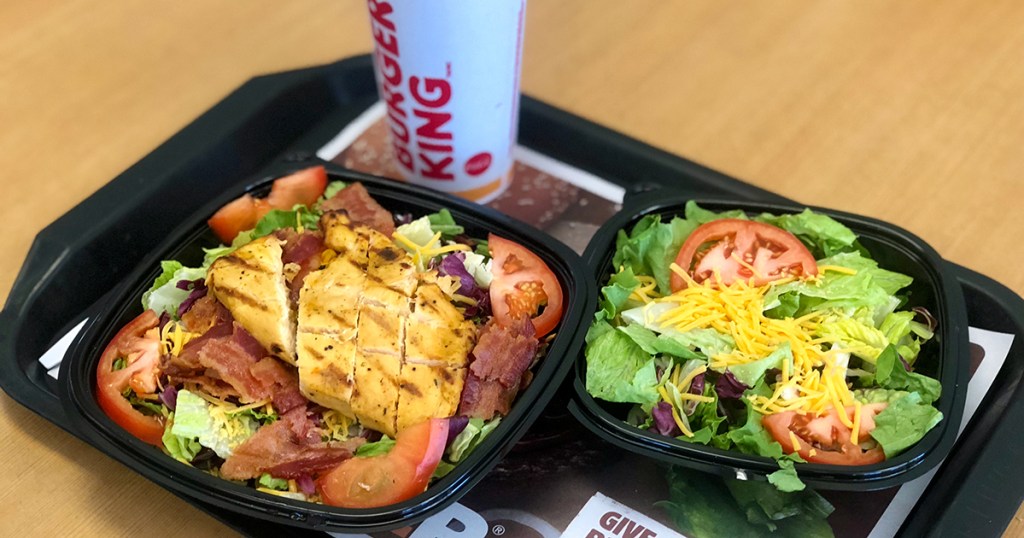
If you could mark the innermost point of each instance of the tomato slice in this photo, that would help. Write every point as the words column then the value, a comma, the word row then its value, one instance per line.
column 137, row 343
column 742, row 249
column 827, row 435
column 303, row 187
column 396, row 476
column 523, row 284
column 235, row 217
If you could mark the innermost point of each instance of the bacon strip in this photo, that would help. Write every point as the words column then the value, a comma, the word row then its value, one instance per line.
column 228, row 361
column 301, row 255
column 362, row 209
column 288, row 448
column 500, row 361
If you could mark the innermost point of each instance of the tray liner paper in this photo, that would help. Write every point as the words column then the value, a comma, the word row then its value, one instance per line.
column 561, row 480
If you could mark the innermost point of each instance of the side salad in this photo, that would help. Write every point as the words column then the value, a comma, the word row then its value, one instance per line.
column 330, row 350
column 773, row 335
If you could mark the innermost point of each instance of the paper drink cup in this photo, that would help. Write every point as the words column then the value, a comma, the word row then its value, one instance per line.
column 448, row 73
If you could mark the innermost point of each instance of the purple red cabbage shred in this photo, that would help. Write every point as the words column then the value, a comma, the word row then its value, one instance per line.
column 663, row 422
column 728, row 387
column 198, row 287
column 454, row 265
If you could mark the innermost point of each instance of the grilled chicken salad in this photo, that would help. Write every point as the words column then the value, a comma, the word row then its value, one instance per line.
column 774, row 335
column 326, row 354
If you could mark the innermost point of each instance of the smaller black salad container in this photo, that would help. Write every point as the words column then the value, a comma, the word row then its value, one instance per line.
column 78, row 386
column 944, row 357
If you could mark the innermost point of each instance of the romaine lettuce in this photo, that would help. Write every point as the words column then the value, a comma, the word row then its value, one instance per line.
column 222, row 432
column 903, row 423
column 619, row 370
column 165, row 295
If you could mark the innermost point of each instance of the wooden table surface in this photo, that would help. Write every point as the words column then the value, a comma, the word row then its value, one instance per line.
column 911, row 112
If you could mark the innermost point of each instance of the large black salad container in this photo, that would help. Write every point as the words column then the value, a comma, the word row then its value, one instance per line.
column 78, row 387
column 945, row 357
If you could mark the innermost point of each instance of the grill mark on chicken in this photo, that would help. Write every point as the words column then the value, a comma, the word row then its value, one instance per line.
column 235, row 260
column 375, row 316
column 343, row 322
column 312, row 351
column 342, row 378
column 242, row 298
column 387, row 285
column 388, row 254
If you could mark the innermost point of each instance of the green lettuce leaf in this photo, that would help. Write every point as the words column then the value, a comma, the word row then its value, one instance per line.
column 698, row 215
column 442, row 469
column 709, row 341
column 901, row 330
column 822, row 234
column 785, row 479
column 651, row 247
column 269, row 482
column 858, row 338
column 468, row 439
column 180, row 448
column 376, row 448
column 276, row 219
column 752, row 437
column 903, row 423
column 164, row 295
column 891, row 374
column 872, row 289
column 616, row 294
column 752, row 373
column 654, row 343
column 332, row 188
column 221, row 432
column 597, row 328
column 706, row 413
column 878, row 395
column 443, row 222
column 619, row 370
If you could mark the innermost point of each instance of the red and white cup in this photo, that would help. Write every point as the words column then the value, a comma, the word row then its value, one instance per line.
column 448, row 72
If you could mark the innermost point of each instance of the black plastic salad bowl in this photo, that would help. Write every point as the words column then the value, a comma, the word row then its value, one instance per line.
column 944, row 357
column 79, row 389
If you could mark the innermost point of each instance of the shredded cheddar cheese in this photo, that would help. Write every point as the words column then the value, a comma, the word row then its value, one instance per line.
column 337, row 424
column 222, row 416
column 836, row 269
column 173, row 337
column 647, row 291
column 685, row 383
column 262, row 403
column 421, row 254
column 796, row 442
column 813, row 382
column 855, row 434
column 675, row 414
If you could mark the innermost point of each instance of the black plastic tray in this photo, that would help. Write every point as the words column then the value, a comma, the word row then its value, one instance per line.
column 288, row 116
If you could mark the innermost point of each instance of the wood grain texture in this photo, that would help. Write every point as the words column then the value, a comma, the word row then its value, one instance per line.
column 907, row 111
